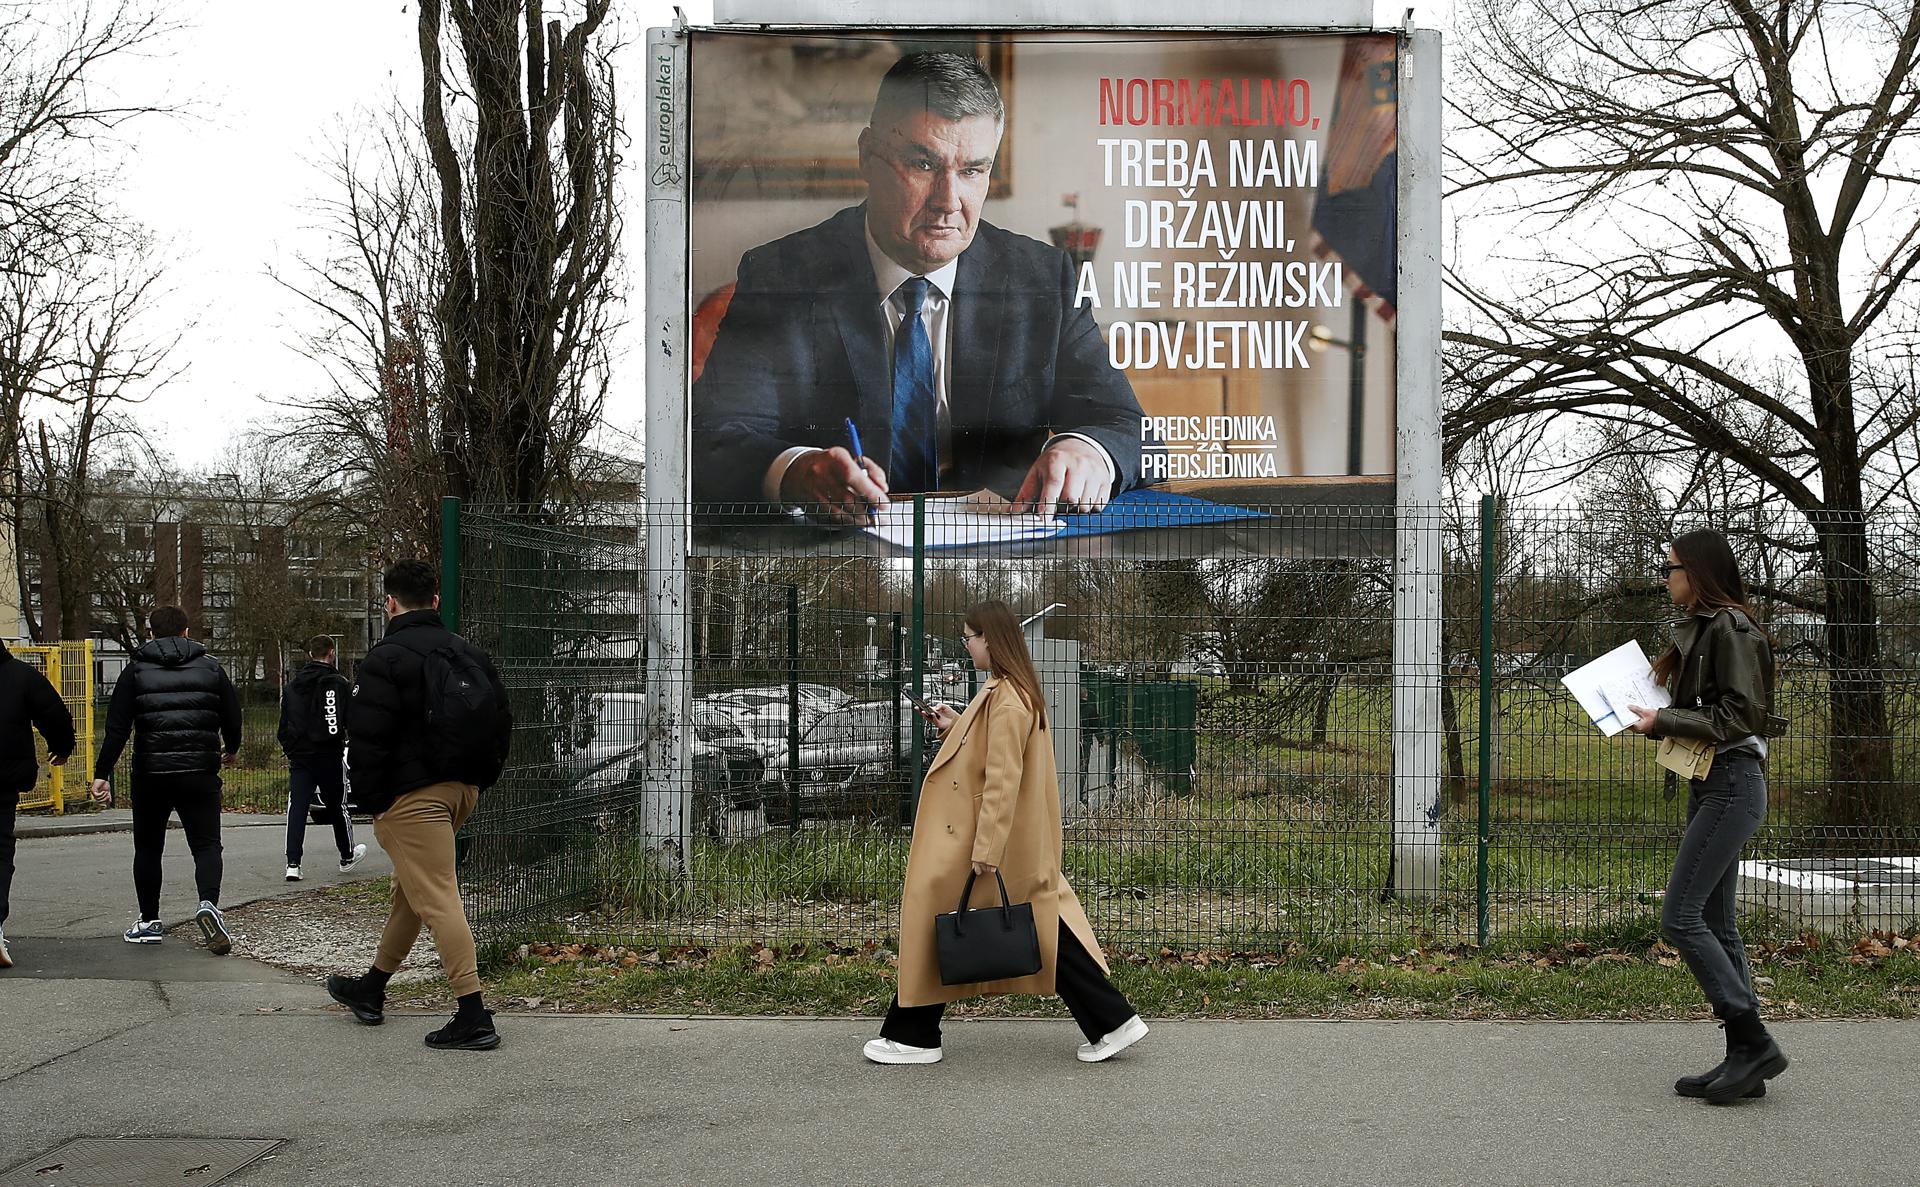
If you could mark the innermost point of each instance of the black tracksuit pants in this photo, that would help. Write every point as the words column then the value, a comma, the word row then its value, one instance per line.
column 197, row 800
column 317, row 783
column 1090, row 997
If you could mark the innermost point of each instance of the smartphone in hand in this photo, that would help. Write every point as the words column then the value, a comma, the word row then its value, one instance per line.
column 924, row 707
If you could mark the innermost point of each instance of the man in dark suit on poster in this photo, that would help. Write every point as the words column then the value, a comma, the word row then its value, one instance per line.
column 954, row 346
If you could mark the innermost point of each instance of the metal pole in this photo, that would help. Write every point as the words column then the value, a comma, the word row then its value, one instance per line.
column 1486, row 707
column 1357, row 387
column 917, row 645
column 793, row 704
column 450, row 562
column 1417, row 651
column 667, row 779
column 895, row 657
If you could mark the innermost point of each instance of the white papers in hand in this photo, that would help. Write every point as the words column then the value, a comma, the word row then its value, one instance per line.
column 953, row 523
column 1620, row 678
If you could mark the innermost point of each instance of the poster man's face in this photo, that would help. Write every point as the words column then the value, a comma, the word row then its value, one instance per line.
column 926, row 178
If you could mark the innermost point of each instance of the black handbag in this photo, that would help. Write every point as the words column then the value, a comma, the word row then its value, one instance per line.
column 989, row 944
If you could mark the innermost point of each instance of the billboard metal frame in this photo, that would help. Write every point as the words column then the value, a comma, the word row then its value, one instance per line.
column 1417, row 651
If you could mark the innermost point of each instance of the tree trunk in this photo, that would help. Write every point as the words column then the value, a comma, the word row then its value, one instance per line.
column 1861, row 792
column 1450, row 721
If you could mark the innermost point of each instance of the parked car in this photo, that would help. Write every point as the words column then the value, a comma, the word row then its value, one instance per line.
column 763, row 711
column 727, row 770
column 852, row 743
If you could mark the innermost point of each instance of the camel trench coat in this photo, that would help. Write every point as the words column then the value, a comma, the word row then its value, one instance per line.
column 991, row 795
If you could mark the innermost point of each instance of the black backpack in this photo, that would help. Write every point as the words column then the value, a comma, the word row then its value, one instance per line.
column 468, row 722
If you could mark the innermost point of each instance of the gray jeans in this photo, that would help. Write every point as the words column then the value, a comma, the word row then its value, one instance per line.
column 1723, row 810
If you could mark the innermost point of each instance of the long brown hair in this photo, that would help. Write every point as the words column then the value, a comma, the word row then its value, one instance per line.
column 1714, row 575
column 1007, row 652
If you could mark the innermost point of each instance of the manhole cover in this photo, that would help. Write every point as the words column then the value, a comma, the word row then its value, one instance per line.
column 139, row 1162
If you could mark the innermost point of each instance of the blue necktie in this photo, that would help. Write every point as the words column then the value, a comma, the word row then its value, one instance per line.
column 916, row 406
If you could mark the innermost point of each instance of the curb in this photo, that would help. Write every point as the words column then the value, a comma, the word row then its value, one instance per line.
column 57, row 826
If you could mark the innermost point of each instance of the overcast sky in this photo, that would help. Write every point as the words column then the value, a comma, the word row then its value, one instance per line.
column 228, row 187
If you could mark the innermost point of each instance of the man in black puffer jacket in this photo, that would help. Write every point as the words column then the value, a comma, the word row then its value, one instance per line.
column 428, row 728
column 27, row 702
column 184, row 717
column 313, row 733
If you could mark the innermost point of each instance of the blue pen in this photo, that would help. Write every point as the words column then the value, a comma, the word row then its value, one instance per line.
column 853, row 441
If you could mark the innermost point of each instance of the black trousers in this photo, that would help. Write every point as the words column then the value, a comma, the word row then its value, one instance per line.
column 9, row 806
column 155, row 799
column 1095, row 1004
column 305, row 786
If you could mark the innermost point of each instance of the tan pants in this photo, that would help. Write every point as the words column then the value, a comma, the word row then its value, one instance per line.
column 417, row 833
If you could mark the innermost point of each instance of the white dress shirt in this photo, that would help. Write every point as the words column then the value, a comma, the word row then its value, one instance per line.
column 936, row 312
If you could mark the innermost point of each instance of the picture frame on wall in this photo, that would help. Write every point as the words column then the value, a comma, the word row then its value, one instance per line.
column 794, row 133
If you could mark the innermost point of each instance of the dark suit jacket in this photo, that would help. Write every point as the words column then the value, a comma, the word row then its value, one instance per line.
column 803, row 347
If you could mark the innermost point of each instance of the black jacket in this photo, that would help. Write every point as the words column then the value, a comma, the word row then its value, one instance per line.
column 178, row 705
column 1723, row 686
column 803, row 350
column 313, row 715
column 389, row 751
column 27, row 703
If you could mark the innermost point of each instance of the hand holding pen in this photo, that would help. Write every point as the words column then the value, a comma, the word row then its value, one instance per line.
column 840, row 484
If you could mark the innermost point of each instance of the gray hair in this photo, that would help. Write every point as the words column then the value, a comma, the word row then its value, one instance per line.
column 951, row 86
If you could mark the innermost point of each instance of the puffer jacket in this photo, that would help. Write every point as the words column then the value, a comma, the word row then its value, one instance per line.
column 28, row 702
column 179, row 707
column 1723, row 686
column 390, row 750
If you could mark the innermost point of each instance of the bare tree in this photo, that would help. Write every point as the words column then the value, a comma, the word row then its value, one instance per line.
column 53, row 116
column 1698, row 182
column 372, row 437
column 524, row 136
column 103, row 363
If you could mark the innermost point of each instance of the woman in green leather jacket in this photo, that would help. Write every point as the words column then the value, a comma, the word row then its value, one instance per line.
column 1720, row 672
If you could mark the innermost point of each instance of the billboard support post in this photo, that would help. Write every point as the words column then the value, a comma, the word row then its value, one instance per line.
column 667, row 788
column 1417, row 565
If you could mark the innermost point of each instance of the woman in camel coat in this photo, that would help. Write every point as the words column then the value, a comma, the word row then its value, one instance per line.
column 991, row 800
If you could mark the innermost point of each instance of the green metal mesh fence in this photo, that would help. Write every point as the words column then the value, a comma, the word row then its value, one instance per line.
column 1224, row 701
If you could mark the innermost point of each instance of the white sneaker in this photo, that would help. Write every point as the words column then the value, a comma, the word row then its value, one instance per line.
column 293, row 873
column 6, row 957
column 888, row 1051
column 145, row 931
column 1129, row 1032
column 214, row 927
column 352, row 860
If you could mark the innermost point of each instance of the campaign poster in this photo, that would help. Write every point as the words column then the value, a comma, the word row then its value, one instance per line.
column 1120, row 282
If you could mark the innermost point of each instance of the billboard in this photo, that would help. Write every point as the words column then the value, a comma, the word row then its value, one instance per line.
column 1102, row 281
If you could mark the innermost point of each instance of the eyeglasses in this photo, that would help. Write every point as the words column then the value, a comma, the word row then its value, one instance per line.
column 966, row 638
column 1667, row 571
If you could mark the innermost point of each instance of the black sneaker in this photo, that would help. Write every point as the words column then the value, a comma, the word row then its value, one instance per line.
column 466, row 1034
column 368, row 1006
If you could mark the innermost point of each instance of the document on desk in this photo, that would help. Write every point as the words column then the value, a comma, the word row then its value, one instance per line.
column 1609, row 684
column 960, row 522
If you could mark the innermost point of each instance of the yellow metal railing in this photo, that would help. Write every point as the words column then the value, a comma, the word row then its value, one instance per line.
column 68, row 666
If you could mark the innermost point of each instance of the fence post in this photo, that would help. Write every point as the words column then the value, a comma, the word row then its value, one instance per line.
column 917, row 645
column 450, row 562
column 1486, row 710
column 793, row 703
column 895, row 658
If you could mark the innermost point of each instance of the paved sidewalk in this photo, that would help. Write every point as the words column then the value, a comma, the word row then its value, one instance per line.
column 573, row 1100
column 68, row 887
column 104, row 1039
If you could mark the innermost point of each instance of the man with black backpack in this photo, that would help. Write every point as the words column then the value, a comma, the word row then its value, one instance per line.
column 313, row 733
column 428, row 727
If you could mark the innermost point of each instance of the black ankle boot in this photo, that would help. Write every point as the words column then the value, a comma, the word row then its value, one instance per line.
column 467, row 1031
column 1753, row 1058
column 1696, row 1086
column 368, row 1005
